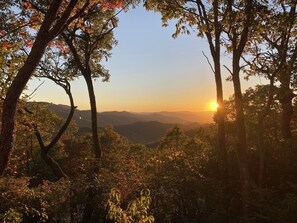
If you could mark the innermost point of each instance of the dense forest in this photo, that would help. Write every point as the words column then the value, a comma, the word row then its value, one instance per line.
column 240, row 168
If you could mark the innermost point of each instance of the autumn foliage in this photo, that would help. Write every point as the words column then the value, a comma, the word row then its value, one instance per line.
column 177, row 178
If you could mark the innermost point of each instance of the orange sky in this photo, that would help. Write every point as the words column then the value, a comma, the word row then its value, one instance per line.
column 150, row 71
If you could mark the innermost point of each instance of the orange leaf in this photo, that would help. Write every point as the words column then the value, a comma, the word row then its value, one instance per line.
column 113, row 4
column 6, row 45
column 29, row 43
column 23, row 34
column 28, row 5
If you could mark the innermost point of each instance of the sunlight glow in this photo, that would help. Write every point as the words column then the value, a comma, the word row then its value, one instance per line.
column 214, row 106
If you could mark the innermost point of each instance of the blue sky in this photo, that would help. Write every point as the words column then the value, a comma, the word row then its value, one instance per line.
column 150, row 71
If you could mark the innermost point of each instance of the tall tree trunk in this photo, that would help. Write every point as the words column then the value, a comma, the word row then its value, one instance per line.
column 220, row 97
column 221, row 123
column 214, row 42
column 261, row 144
column 96, row 140
column 238, row 42
column 86, row 72
column 241, row 139
column 8, row 130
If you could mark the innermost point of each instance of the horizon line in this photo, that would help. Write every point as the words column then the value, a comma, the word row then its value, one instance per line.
column 130, row 111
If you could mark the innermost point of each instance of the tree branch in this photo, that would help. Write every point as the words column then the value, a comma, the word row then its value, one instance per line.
column 209, row 62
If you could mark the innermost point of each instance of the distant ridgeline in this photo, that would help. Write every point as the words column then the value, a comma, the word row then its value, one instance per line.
column 144, row 128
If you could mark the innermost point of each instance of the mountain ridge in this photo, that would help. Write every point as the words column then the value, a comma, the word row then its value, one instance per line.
column 83, row 117
column 146, row 128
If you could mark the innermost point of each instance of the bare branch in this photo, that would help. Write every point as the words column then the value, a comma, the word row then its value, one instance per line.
column 33, row 92
column 208, row 62
column 228, row 69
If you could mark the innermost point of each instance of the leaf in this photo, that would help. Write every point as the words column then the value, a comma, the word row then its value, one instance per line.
column 6, row 45
column 29, row 43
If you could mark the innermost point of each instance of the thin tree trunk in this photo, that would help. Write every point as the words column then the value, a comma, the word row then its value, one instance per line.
column 95, row 136
column 215, row 49
column 221, row 123
column 45, row 150
column 261, row 146
column 238, row 42
column 58, row 172
column 220, row 96
column 86, row 72
column 241, row 143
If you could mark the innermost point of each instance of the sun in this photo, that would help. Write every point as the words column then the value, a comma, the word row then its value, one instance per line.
column 214, row 106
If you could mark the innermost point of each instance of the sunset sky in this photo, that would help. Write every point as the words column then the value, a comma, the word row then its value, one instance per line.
column 150, row 71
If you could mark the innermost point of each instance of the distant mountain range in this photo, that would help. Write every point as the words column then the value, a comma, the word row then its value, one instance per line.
column 83, row 117
column 145, row 128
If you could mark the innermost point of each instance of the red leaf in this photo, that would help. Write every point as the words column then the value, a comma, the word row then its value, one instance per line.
column 6, row 45
column 29, row 43
column 113, row 4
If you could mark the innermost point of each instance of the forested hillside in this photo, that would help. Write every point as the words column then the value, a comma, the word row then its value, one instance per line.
column 144, row 128
column 115, row 118
column 60, row 164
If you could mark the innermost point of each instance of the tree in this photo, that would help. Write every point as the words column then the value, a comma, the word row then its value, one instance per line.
column 208, row 18
column 90, row 40
column 259, row 103
column 240, row 17
column 45, row 149
column 281, row 40
column 272, row 54
column 175, row 139
column 50, row 18
column 136, row 212
column 53, row 69
column 50, row 27
column 234, row 19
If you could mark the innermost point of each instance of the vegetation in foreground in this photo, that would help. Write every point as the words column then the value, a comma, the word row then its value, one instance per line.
column 241, row 169
column 178, row 181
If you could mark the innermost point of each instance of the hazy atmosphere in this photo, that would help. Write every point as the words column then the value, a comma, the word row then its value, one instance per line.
column 150, row 71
